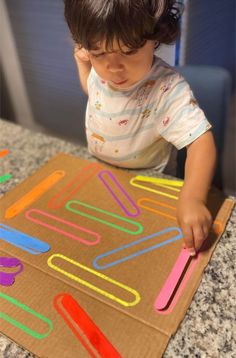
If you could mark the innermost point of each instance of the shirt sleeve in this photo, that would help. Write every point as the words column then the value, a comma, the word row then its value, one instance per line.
column 180, row 119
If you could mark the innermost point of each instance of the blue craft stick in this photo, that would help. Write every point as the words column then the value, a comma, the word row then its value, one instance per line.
column 140, row 252
column 23, row 241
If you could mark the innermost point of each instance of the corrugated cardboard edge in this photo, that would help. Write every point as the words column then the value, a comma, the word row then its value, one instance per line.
column 35, row 178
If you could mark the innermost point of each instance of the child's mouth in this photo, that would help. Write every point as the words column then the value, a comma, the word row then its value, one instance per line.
column 118, row 83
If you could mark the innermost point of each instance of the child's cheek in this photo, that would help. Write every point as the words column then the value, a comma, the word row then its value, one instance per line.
column 99, row 69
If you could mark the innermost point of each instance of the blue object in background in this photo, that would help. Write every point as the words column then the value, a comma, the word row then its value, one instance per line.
column 212, row 89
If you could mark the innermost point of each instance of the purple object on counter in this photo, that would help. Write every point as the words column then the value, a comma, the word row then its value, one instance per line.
column 8, row 278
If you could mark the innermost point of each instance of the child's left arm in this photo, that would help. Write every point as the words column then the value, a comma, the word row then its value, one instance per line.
column 193, row 216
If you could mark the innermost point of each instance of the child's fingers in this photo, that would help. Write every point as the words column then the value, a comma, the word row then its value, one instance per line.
column 81, row 54
column 199, row 236
column 188, row 239
column 206, row 229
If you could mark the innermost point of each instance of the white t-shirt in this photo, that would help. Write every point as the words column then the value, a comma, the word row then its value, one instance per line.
column 136, row 127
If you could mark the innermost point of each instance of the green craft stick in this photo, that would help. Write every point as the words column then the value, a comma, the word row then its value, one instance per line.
column 5, row 177
column 132, row 222
column 29, row 310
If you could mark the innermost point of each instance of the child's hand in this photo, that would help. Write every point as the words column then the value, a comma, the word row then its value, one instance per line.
column 195, row 221
column 81, row 55
column 83, row 65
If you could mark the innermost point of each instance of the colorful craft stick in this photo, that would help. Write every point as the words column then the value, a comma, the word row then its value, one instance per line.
column 176, row 282
column 4, row 152
column 124, row 249
column 5, row 177
column 98, row 275
column 23, row 241
column 106, row 213
column 172, row 280
column 29, row 310
column 8, row 278
column 77, row 318
column 217, row 225
column 74, row 185
column 123, row 195
column 134, row 180
column 8, row 176
column 141, row 202
column 34, row 194
column 163, row 181
column 55, row 223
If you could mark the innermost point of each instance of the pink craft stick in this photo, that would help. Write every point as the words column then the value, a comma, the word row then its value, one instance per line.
column 167, row 290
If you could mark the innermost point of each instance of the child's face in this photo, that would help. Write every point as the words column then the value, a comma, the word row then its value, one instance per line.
column 122, row 69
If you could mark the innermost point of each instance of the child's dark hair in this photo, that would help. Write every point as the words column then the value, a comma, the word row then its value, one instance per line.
column 130, row 22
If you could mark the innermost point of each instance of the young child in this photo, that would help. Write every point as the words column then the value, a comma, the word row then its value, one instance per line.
column 138, row 106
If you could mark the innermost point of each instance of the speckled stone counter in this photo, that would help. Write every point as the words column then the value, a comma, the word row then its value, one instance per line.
column 209, row 327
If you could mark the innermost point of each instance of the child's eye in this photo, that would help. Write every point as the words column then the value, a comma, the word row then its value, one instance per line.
column 126, row 53
column 130, row 52
column 98, row 54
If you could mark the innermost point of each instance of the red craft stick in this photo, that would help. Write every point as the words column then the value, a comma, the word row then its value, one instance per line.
column 66, row 305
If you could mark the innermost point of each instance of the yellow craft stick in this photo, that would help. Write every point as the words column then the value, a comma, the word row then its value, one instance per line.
column 159, row 181
column 133, row 182
column 217, row 225
column 99, row 290
column 34, row 194
column 166, row 186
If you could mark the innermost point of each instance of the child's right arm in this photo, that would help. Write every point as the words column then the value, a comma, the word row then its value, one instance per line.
column 83, row 65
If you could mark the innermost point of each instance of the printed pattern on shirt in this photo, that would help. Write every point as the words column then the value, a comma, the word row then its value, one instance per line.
column 134, row 127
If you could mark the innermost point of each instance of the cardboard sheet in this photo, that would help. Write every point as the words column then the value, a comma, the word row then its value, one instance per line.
column 96, row 249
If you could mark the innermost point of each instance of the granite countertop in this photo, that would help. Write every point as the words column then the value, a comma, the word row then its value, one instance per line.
column 208, row 329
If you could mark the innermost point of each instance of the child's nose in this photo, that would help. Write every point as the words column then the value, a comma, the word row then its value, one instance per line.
column 114, row 63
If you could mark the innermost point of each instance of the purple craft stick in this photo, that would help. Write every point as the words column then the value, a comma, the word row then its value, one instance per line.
column 8, row 278
column 137, row 210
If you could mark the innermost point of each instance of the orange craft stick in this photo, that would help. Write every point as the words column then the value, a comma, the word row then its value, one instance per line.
column 4, row 152
column 34, row 194
column 74, row 185
column 217, row 225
